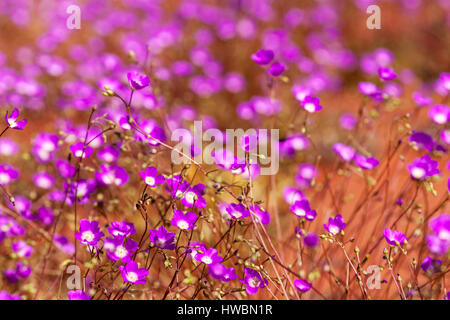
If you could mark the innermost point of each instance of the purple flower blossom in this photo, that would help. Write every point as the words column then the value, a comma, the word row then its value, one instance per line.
column 43, row 180
column 78, row 295
column 137, row 81
column 431, row 266
column 253, row 281
column 302, row 209
column 439, row 113
column 311, row 240
column 347, row 121
column 263, row 57
column 386, row 73
column 77, row 150
column 439, row 241
column 121, row 229
column 302, row 285
column 219, row 272
column 311, row 104
column 208, row 257
column 111, row 174
column 131, row 273
column 6, row 296
column 394, row 237
column 11, row 120
column 421, row 100
column 260, row 214
column 193, row 197
column 276, row 69
column 151, row 176
column 118, row 249
column 237, row 211
column 7, row 174
column 249, row 142
column 89, row 233
column 423, row 168
column 162, row 239
column 366, row 163
column 108, row 154
column 22, row 249
column 336, row 225
column 183, row 221
column 422, row 140
column 346, row 153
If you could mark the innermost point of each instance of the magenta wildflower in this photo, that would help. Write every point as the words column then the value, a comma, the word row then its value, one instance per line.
column 302, row 285
column 431, row 266
column 184, row 221
column 348, row 121
column 346, row 153
column 7, row 174
column 43, row 180
column 237, row 211
column 394, row 237
column 162, row 239
column 12, row 122
column 108, row 154
column 422, row 140
column 336, row 225
column 366, row 163
column 421, row 100
column 311, row 240
column 311, row 104
column 276, row 69
column 439, row 241
column 302, row 209
column 260, row 214
column 219, row 272
column 77, row 150
column 263, row 57
column 300, row 92
column 131, row 273
column 137, row 81
column 253, row 281
column 6, row 296
column 193, row 197
column 22, row 249
column 118, row 249
column 249, row 142
column 121, row 229
column 151, row 177
column 89, row 233
column 208, row 257
column 386, row 73
column 111, row 174
column 439, row 113
column 78, row 295
column 423, row 168
column 45, row 215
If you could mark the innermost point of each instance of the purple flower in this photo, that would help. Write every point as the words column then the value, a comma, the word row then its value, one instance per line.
column 6, row 296
column 394, row 237
column 12, row 122
column 386, row 73
column 423, row 168
column 45, row 215
column 111, row 174
column 311, row 240
column 78, row 295
column 421, row 100
column 292, row 194
column 43, row 180
column 301, row 92
column 118, row 250
column 237, row 211
column 219, row 272
column 7, row 174
column 276, row 69
column 263, row 57
column 431, row 266
column 249, row 142
column 208, row 257
column 183, row 221
column 347, row 121
column 302, row 209
column 89, row 232
column 302, row 285
column 260, row 214
column 177, row 186
column 422, row 140
column 151, row 176
column 335, row 225
column 108, row 154
column 253, row 281
column 346, row 153
column 22, row 249
column 137, row 81
column 121, row 229
column 162, row 239
column 439, row 113
column 77, row 150
column 305, row 175
column 439, row 241
column 311, row 104
column 131, row 273
column 369, row 89
column 63, row 243
column 22, row 270
column 366, row 163
column 65, row 169
column 193, row 197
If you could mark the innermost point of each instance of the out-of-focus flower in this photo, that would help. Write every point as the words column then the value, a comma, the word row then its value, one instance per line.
column 260, row 214
column 276, row 69
column 78, row 295
column 423, row 168
column 77, row 150
column 302, row 285
column 311, row 104
column 346, row 153
column 439, row 241
column 347, row 121
column 386, row 73
column 7, row 174
column 439, row 113
column 111, row 174
column 431, row 266
column 366, row 163
column 263, row 57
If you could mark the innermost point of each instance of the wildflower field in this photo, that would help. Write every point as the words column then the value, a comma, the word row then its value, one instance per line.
column 224, row 150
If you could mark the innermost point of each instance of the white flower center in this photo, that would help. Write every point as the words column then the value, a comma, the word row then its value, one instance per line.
column 418, row 173
column 121, row 252
column 183, row 225
column 254, row 282
column 440, row 118
column 300, row 212
column 191, row 197
column 4, row 178
column 206, row 260
column 310, row 107
column 150, row 181
column 87, row 236
column 132, row 276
